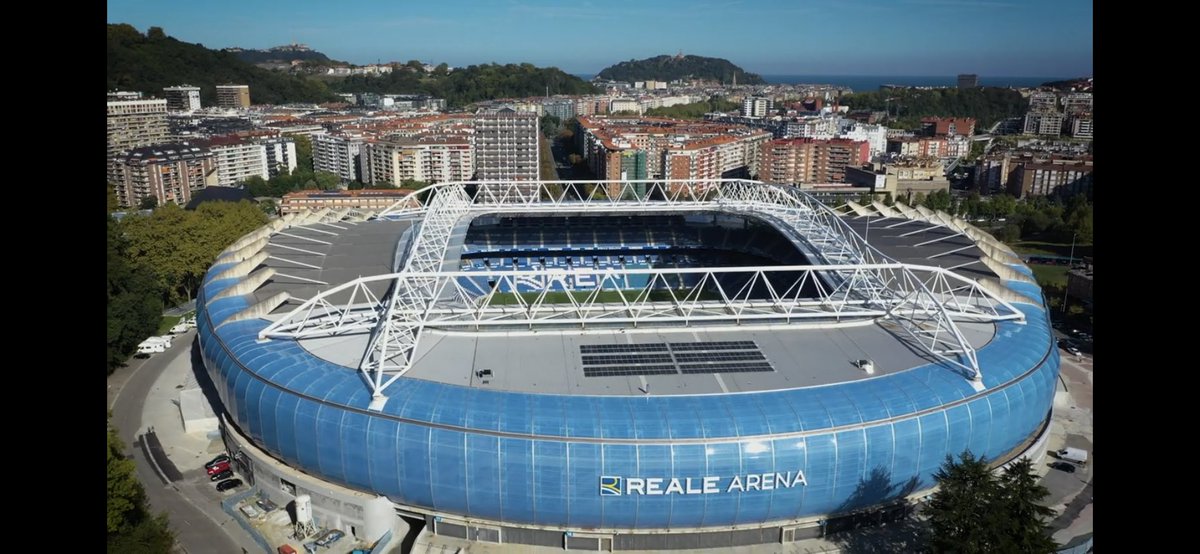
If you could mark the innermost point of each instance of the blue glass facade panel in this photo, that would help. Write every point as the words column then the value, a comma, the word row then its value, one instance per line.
column 907, row 440
column 583, row 490
column 724, row 460
column 285, row 414
column 483, row 476
column 267, row 415
column 934, row 440
column 331, row 445
column 383, row 455
column 822, row 465
column 687, row 510
column 516, row 476
column 879, row 453
column 758, row 457
column 448, row 470
column 850, row 480
column 354, row 444
column 306, row 434
column 619, row 460
column 1003, row 437
column 654, row 462
column 959, row 427
column 549, row 483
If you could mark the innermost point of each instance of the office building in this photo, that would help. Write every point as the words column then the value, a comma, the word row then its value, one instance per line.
column 968, row 80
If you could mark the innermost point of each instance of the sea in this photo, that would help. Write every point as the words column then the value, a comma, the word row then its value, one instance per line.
column 871, row 83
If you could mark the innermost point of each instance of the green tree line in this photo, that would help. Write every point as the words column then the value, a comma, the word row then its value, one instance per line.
column 159, row 259
column 150, row 62
column 471, row 84
column 986, row 104
column 695, row 110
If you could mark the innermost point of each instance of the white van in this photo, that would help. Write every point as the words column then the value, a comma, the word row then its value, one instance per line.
column 148, row 347
column 1076, row 455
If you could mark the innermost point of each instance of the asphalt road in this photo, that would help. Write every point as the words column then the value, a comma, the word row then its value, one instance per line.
column 195, row 532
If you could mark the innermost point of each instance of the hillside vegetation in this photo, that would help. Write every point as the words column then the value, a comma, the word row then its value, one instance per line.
column 150, row 62
column 669, row 68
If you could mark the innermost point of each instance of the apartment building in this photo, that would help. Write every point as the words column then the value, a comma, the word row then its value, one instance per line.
column 233, row 96
column 338, row 154
column 805, row 160
column 167, row 172
column 134, row 122
column 237, row 159
column 182, row 98
column 506, row 145
column 428, row 159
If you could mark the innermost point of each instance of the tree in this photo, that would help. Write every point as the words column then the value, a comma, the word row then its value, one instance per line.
column 888, row 200
column 974, row 511
column 256, row 186
column 304, row 155
column 134, row 301
column 148, row 203
column 325, row 180
column 131, row 527
column 959, row 513
column 114, row 203
column 1020, row 497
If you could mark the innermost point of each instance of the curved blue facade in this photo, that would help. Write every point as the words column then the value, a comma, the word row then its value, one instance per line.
column 536, row 459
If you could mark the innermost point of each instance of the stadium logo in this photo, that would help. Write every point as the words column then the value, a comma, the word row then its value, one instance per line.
column 657, row 486
column 610, row 486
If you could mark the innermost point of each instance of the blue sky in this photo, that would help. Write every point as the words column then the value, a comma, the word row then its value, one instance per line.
column 832, row 37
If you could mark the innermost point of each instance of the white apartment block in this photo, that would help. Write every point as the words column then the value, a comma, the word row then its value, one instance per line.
column 957, row 146
column 238, row 161
column 506, row 145
column 874, row 135
column 395, row 161
column 281, row 154
column 625, row 105
column 338, row 155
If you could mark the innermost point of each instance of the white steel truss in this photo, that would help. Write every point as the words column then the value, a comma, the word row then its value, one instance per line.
column 850, row 281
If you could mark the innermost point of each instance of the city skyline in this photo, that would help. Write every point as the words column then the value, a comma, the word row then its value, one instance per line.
column 859, row 37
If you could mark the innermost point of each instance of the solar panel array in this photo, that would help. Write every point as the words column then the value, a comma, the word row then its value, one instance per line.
column 661, row 358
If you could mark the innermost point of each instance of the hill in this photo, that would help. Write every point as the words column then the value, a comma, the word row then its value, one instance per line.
column 280, row 54
column 669, row 68
column 150, row 62
column 470, row 84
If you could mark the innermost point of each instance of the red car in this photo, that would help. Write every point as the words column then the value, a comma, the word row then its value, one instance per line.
column 218, row 468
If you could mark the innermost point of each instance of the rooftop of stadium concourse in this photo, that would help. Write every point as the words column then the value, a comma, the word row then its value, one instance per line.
column 552, row 362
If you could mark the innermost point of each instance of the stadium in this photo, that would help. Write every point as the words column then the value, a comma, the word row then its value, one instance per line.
column 621, row 365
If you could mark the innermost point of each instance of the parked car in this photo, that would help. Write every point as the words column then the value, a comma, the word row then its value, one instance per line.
column 222, row 458
column 218, row 468
column 329, row 537
column 226, row 485
column 221, row 475
column 1063, row 466
column 265, row 504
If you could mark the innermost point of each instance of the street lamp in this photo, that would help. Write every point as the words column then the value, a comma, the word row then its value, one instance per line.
column 1070, row 264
